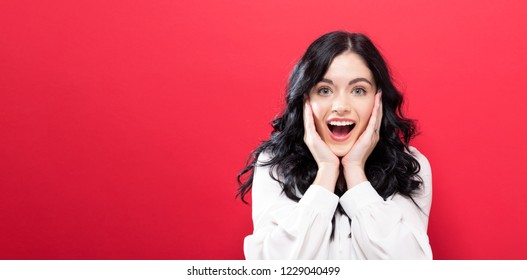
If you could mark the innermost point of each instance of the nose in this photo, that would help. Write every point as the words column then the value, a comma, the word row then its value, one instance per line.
column 341, row 104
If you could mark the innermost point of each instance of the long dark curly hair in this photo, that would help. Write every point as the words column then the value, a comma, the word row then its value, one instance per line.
column 389, row 168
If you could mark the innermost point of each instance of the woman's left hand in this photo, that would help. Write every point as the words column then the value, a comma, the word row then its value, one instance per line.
column 355, row 160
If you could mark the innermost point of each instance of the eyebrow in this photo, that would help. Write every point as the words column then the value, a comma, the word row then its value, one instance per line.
column 354, row 81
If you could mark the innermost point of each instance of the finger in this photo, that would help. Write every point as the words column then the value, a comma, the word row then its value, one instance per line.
column 306, row 114
column 309, row 122
column 372, row 124
column 379, row 113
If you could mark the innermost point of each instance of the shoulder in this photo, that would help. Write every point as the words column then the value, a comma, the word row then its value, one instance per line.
column 425, row 171
column 263, row 169
column 423, row 161
column 264, row 157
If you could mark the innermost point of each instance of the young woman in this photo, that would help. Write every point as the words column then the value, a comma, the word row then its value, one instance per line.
column 338, row 179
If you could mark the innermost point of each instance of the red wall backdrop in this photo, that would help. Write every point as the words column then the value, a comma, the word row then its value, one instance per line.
column 123, row 124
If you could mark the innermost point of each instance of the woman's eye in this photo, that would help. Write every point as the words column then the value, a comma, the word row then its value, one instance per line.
column 324, row 91
column 358, row 91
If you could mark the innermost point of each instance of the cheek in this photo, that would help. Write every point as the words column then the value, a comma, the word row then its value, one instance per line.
column 364, row 113
column 319, row 112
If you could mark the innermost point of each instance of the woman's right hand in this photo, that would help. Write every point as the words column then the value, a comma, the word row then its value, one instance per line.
column 328, row 163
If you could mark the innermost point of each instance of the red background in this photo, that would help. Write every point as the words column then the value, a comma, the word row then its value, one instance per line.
column 123, row 124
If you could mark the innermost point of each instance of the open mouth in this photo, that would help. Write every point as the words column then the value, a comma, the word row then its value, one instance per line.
column 340, row 130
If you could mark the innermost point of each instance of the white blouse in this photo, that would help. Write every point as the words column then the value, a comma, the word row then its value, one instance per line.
column 391, row 229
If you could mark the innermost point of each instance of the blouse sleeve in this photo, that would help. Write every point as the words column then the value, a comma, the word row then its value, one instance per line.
column 391, row 229
column 285, row 229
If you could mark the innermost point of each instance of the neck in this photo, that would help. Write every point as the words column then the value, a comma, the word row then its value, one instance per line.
column 341, row 181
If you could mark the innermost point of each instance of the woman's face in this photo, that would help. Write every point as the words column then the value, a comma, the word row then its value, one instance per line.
column 343, row 101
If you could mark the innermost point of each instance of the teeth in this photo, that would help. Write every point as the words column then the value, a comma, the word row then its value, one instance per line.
column 338, row 123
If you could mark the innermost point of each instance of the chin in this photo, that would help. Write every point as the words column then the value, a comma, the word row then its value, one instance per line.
column 341, row 150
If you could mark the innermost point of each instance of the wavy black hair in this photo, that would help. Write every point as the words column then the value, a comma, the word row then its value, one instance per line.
column 389, row 168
